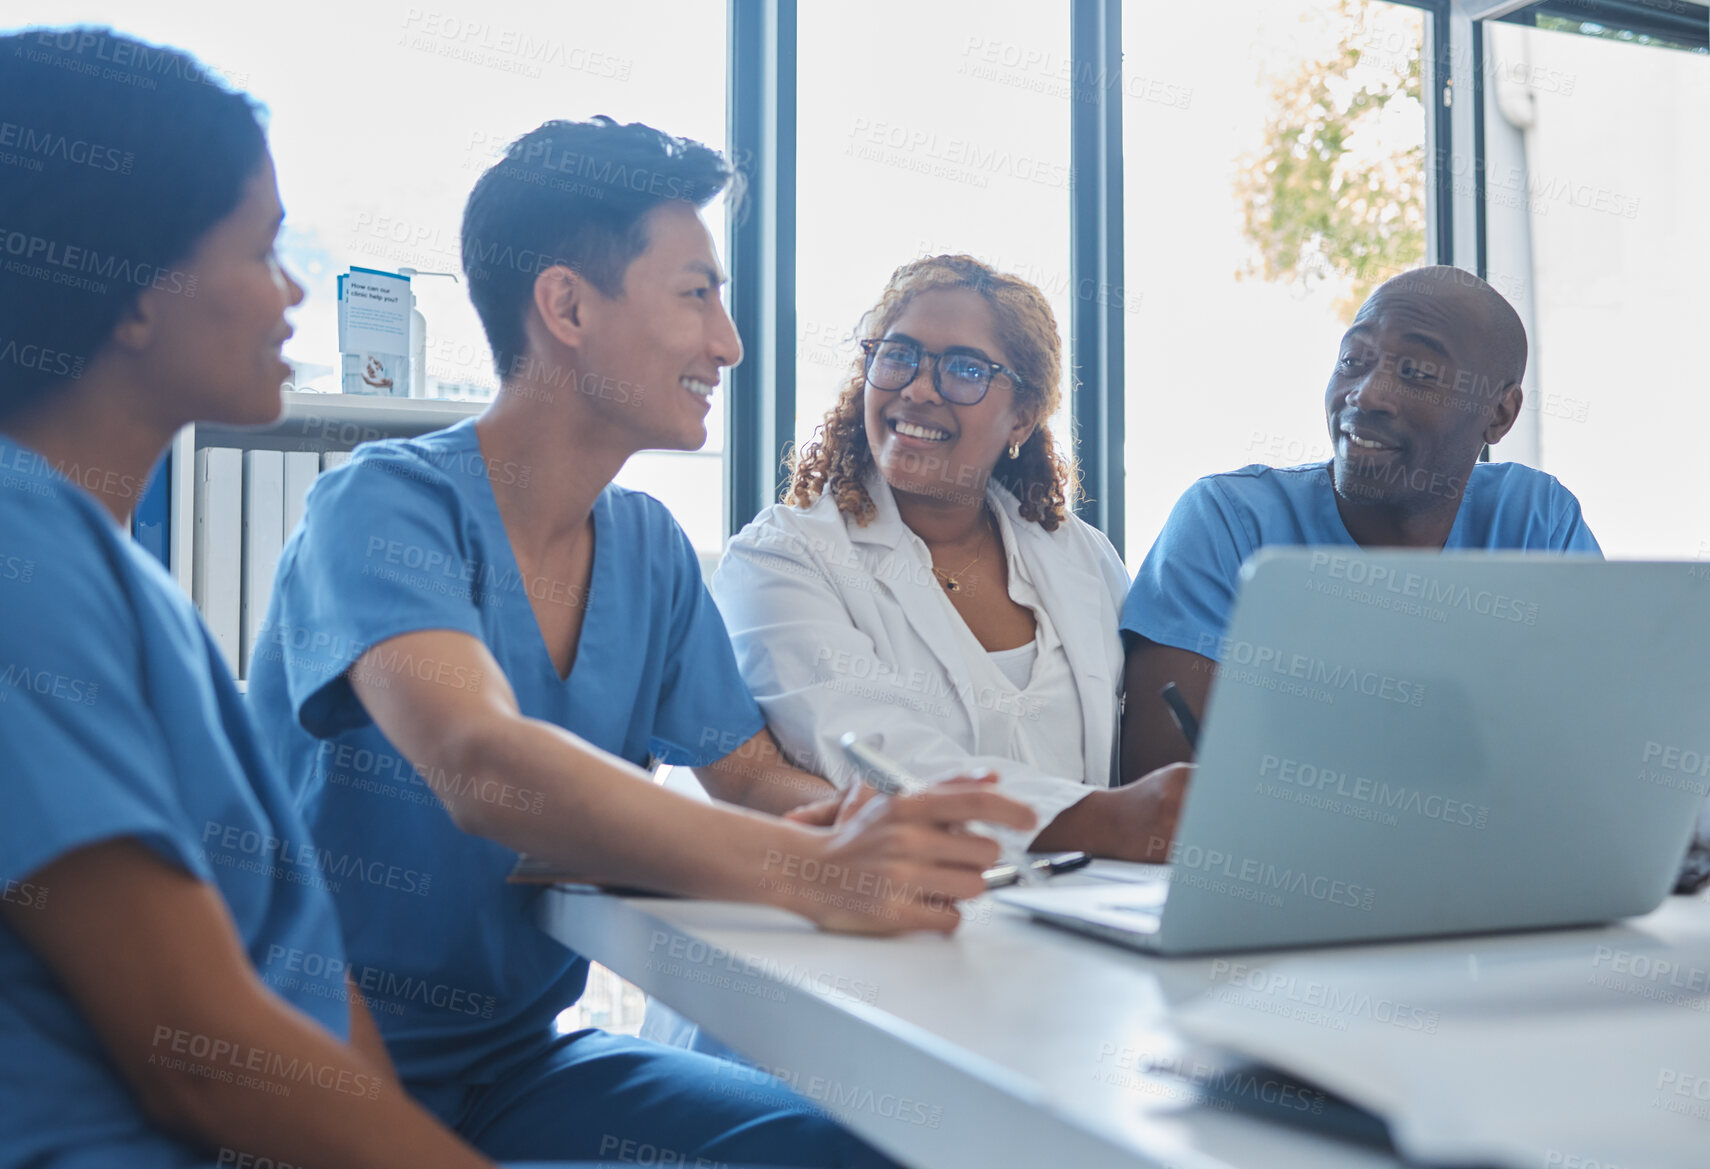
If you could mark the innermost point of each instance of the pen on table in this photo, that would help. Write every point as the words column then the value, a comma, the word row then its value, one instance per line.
column 1003, row 875
column 1183, row 717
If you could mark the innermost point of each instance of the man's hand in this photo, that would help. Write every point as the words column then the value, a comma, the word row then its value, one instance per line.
column 898, row 863
column 834, row 809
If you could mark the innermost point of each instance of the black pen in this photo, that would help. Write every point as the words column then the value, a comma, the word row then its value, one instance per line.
column 1002, row 875
column 1183, row 717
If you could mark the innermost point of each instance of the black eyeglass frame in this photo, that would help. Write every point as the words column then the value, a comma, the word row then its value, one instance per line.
column 871, row 348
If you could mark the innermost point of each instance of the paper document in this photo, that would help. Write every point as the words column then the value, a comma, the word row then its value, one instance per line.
column 1126, row 872
column 1523, row 1068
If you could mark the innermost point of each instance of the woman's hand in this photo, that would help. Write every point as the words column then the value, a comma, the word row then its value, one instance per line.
column 1136, row 822
column 1144, row 814
column 893, row 864
column 1155, row 801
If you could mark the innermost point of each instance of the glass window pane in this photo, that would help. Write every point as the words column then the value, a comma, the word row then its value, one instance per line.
column 382, row 117
column 1595, row 229
column 924, row 128
column 1256, row 217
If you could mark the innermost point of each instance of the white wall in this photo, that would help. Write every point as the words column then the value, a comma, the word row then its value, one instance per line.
column 1597, row 231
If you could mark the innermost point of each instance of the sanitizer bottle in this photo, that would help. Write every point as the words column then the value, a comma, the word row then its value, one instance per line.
column 418, row 334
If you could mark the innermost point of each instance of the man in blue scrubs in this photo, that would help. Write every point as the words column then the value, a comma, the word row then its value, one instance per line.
column 476, row 643
column 1428, row 374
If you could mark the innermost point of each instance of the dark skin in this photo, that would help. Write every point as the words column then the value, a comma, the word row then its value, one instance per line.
column 631, row 358
column 138, row 943
column 939, row 484
column 1428, row 375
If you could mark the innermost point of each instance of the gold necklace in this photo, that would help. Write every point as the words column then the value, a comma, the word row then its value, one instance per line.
column 952, row 580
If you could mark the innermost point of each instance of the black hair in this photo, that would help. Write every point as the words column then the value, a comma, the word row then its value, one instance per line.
column 572, row 194
column 118, row 156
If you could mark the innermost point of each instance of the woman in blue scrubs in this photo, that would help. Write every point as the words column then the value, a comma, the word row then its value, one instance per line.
column 139, row 291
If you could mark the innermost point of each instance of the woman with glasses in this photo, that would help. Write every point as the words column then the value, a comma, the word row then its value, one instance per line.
column 926, row 583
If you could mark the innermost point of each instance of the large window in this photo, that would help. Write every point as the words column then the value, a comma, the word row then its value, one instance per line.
column 924, row 128
column 1595, row 226
column 1276, row 167
column 1274, row 173
column 381, row 117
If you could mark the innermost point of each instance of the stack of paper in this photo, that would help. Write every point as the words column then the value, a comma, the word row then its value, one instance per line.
column 1585, row 1059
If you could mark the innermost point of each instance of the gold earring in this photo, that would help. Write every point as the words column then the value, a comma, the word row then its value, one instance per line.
column 1015, row 450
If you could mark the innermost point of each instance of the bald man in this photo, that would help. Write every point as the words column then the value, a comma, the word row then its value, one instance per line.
column 1426, row 376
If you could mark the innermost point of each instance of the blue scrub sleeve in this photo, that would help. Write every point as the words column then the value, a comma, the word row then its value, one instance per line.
column 84, row 756
column 1186, row 587
column 705, row 709
column 380, row 553
column 1571, row 533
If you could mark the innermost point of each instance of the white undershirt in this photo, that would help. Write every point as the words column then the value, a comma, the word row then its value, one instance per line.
column 1017, row 663
column 1027, row 705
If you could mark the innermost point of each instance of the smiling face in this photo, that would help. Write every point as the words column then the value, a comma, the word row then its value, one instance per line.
column 210, row 331
column 1415, row 395
column 923, row 445
column 649, row 359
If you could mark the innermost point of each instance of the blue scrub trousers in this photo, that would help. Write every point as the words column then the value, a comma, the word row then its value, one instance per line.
column 590, row 1096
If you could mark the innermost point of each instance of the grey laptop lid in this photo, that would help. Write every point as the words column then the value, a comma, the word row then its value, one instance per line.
column 1403, row 744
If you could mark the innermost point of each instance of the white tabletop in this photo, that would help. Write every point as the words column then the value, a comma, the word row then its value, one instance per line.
column 1012, row 1043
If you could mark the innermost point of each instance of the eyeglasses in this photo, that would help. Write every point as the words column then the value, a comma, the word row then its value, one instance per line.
column 962, row 378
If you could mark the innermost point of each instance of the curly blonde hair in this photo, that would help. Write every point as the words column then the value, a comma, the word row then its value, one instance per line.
column 837, row 457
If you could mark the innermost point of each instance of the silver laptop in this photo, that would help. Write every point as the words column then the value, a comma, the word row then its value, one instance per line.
column 1405, row 744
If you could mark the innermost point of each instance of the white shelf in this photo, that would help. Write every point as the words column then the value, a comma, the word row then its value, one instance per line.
column 377, row 411
column 338, row 422
column 310, row 422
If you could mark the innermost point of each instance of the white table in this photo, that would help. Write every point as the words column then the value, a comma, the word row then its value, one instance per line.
column 1010, row 1043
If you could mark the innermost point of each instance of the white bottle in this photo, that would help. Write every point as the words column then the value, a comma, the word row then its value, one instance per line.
column 418, row 334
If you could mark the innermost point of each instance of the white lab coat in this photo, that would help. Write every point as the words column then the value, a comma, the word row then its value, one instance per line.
column 839, row 627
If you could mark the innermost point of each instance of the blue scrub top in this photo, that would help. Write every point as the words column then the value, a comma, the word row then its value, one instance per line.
column 1186, row 588
column 118, row 718
column 407, row 537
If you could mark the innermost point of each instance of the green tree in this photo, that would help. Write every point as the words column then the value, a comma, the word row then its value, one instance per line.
column 1331, row 196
